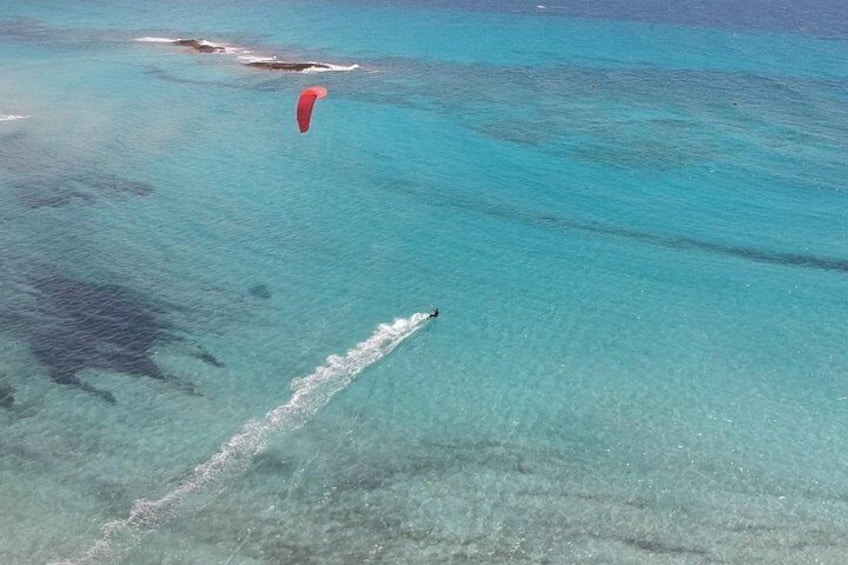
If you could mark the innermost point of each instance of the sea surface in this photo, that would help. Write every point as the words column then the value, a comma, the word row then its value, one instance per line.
column 214, row 335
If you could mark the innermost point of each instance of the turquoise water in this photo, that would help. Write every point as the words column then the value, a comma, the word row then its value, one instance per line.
column 631, row 219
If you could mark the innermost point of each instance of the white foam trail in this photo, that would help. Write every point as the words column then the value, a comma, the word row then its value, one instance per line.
column 10, row 117
column 310, row 394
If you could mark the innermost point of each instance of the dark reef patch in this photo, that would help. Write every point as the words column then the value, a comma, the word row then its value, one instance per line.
column 7, row 396
column 24, row 29
column 286, row 66
column 86, row 187
column 756, row 255
column 159, row 73
column 74, row 326
column 657, row 239
column 658, row 547
column 208, row 358
column 259, row 291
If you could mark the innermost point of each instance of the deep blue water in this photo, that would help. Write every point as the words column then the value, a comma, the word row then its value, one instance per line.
column 630, row 214
column 818, row 18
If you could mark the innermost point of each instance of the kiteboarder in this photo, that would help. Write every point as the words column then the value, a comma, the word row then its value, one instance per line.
column 433, row 314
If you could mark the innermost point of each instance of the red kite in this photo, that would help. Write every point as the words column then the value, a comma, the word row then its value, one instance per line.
column 305, row 103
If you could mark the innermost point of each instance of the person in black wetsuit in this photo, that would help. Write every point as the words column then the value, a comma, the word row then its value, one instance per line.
column 434, row 313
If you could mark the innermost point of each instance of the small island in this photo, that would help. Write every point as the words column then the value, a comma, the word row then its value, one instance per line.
column 200, row 45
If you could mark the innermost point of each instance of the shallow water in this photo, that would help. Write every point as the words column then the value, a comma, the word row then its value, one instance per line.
column 633, row 226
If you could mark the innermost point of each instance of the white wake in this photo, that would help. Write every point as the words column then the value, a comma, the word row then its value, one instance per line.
column 309, row 395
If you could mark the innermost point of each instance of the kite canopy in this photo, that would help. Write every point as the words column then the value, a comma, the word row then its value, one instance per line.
column 305, row 103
